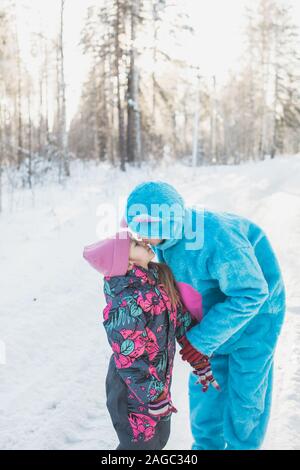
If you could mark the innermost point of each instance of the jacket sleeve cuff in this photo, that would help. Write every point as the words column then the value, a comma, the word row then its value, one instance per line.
column 157, row 408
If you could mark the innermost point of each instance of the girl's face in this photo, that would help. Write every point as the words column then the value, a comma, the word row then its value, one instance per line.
column 140, row 254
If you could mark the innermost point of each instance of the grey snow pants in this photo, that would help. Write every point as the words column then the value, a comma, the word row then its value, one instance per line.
column 117, row 404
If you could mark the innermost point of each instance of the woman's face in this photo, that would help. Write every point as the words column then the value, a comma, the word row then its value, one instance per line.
column 152, row 241
column 140, row 253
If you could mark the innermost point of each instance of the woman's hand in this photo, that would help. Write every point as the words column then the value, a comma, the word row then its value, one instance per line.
column 200, row 362
column 205, row 376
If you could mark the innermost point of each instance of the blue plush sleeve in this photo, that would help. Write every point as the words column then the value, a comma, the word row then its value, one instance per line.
column 242, row 281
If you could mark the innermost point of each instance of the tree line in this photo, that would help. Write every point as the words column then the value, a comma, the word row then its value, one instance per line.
column 140, row 102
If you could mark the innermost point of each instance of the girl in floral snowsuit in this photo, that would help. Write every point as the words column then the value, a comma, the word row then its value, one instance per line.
column 143, row 318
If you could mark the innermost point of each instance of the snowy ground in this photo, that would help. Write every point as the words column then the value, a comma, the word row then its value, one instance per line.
column 52, row 384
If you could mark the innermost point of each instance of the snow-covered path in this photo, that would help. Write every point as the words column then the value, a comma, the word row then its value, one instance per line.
column 52, row 385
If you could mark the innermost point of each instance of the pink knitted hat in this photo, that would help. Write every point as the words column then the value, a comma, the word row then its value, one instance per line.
column 110, row 256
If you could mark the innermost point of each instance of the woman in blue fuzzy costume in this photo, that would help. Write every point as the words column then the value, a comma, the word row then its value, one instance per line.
column 230, row 261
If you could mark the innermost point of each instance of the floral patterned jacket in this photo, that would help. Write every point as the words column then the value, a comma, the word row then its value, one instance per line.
column 142, row 329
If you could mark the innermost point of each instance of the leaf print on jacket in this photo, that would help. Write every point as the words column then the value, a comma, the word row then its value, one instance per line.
column 132, row 345
column 151, row 347
column 151, row 303
column 134, row 309
column 107, row 310
column 140, row 273
column 142, row 329
column 143, row 426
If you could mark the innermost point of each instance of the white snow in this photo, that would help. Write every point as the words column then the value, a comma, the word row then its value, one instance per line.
column 52, row 383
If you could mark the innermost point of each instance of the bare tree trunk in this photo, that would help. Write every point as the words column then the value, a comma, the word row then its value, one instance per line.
column 41, row 118
column 154, row 58
column 130, row 117
column 137, row 122
column 122, row 149
column 112, row 111
column 133, row 129
column 102, row 112
column 19, row 108
column 29, row 169
column 1, row 151
column 58, row 111
column 275, row 130
column 64, row 135
column 213, row 124
column 196, row 125
column 275, row 120
column 46, row 90
column 252, row 136
column 265, row 67
column 185, row 125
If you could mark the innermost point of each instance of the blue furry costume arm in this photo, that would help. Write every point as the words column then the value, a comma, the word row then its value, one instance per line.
column 242, row 281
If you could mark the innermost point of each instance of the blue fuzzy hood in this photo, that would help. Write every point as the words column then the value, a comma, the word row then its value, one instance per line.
column 163, row 204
